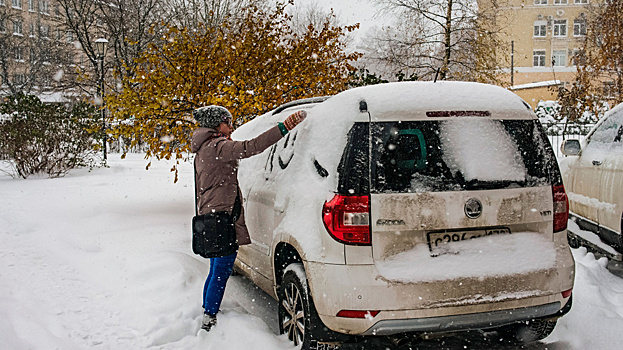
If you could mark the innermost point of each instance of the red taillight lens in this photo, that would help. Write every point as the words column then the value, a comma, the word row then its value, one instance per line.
column 347, row 218
column 567, row 293
column 357, row 314
column 561, row 208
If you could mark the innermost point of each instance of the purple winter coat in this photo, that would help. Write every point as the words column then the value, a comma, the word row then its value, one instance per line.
column 217, row 171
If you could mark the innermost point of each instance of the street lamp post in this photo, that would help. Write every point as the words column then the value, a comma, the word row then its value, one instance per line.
column 101, row 45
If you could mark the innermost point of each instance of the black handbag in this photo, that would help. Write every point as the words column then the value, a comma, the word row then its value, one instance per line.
column 214, row 234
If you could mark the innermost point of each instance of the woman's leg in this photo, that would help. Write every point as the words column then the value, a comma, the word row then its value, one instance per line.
column 220, row 270
column 207, row 283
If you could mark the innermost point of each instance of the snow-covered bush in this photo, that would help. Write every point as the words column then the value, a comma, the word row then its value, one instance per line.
column 46, row 138
column 557, row 124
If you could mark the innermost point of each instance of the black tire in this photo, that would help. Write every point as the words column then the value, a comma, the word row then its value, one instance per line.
column 621, row 236
column 573, row 241
column 530, row 331
column 294, row 306
column 298, row 318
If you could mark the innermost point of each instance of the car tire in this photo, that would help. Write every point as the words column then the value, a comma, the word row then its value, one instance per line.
column 529, row 331
column 621, row 236
column 573, row 241
column 296, row 310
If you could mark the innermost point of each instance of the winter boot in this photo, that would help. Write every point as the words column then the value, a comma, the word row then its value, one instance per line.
column 209, row 321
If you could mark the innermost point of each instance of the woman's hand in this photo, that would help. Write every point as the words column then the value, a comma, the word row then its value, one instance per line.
column 294, row 119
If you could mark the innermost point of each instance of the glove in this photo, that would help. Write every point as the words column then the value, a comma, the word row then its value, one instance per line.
column 294, row 119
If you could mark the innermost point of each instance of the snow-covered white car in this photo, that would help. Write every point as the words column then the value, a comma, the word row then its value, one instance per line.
column 407, row 208
column 593, row 174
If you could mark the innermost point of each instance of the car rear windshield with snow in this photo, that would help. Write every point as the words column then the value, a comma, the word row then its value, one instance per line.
column 450, row 155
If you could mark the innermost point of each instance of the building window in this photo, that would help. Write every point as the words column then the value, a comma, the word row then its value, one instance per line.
column 17, row 4
column 579, row 27
column 560, row 27
column 17, row 27
column 2, row 26
column 31, row 5
column 45, row 31
column 580, row 1
column 578, row 58
column 31, row 31
column 559, row 58
column 69, row 36
column 44, row 7
column 560, row 2
column 19, row 53
column 19, row 78
column 540, row 2
column 609, row 89
column 540, row 29
column 2, row 3
column 538, row 58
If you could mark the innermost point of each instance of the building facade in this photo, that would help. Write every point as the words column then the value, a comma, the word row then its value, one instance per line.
column 542, row 36
column 37, row 55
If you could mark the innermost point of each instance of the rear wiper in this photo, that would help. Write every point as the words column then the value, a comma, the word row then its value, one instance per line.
column 479, row 184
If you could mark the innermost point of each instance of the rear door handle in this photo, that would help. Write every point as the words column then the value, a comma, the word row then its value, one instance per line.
column 597, row 162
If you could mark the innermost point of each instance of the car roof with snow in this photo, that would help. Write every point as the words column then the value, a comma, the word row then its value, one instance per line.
column 323, row 135
column 402, row 101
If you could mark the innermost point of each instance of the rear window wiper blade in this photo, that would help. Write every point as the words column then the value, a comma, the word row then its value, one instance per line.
column 491, row 184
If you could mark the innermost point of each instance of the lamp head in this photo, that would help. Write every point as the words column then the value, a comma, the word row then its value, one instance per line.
column 101, row 45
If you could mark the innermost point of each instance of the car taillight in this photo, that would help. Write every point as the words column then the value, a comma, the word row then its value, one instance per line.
column 567, row 293
column 561, row 208
column 347, row 219
column 357, row 314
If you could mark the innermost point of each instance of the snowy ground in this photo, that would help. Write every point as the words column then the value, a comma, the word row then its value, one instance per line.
column 102, row 260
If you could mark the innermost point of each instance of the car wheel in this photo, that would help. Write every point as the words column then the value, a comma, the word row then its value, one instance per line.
column 573, row 241
column 294, row 306
column 621, row 236
column 530, row 331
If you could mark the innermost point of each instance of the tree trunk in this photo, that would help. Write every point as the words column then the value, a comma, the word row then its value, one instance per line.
column 447, row 41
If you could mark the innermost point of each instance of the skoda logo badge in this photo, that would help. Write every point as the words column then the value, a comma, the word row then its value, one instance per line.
column 473, row 208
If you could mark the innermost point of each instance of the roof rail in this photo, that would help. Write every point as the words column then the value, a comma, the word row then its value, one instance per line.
column 304, row 101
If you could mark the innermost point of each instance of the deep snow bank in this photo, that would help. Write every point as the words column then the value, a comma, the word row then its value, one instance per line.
column 102, row 260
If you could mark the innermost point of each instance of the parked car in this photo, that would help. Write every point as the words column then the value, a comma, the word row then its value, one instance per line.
column 593, row 174
column 407, row 208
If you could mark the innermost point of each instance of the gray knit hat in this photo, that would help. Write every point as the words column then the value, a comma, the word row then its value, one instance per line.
column 211, row 116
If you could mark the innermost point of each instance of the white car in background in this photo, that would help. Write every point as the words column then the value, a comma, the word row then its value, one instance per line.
column 401, row 209
column 593, row 175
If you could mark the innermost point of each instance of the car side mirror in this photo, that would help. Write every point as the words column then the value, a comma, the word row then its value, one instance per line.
column 570, row 147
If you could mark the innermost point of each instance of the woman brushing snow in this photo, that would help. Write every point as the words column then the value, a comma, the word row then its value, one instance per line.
column 216, row 163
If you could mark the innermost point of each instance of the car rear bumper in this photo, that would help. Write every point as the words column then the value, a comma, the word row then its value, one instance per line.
column 439, row 306
column 463, row 322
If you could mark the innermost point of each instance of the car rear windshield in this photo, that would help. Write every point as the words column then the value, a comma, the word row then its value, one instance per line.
column 450, row 155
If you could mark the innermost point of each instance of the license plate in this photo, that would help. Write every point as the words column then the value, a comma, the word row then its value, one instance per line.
column 440, row 242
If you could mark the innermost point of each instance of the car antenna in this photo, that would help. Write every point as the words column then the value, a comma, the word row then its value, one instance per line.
column 436, row 75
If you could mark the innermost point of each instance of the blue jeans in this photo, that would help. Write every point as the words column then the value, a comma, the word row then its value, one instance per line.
column 214, row 288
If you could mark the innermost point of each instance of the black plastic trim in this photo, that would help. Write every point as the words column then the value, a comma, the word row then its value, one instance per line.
column 304, row 101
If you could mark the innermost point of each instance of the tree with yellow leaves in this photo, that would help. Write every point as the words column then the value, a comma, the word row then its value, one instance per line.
column 598, row 83
column 249, row 69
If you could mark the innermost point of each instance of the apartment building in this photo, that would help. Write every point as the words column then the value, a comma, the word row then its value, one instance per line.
column 37, row 52
column 542, row 38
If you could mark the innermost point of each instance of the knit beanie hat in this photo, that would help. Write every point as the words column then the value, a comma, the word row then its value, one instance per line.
column 211, row 116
